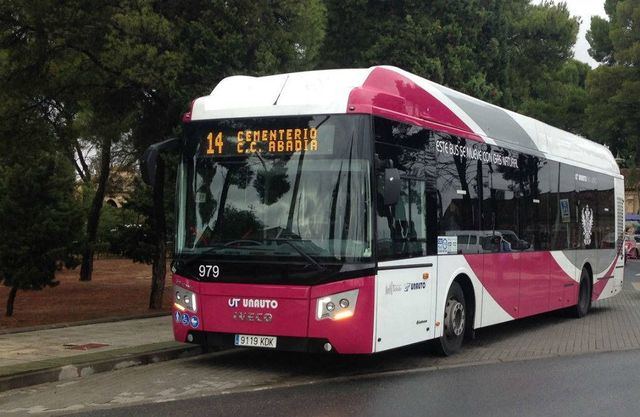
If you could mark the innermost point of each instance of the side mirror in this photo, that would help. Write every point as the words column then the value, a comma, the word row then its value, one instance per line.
column 149, row 161
column 392, row 186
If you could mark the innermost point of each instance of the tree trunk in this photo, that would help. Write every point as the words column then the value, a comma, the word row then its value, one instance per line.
column 159, row 259
column 11, row 300
column 94, row 213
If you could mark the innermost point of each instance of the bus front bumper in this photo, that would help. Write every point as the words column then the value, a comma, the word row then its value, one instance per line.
column 333, row 317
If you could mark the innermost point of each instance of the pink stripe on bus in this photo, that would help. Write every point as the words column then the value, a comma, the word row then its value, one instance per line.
column 524, row 283
column 392, row 95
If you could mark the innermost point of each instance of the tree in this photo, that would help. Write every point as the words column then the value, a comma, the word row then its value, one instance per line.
column 452, row 42
column 494, row 50
column 40, row 218
column 614, row 87
column 540, row 41
column 216, row 39
column 560, row 98
column 99, row 61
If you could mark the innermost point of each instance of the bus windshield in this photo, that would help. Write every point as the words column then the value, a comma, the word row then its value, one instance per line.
column 276, row 189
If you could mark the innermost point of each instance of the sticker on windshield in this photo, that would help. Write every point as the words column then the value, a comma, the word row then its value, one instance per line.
column 447, row 245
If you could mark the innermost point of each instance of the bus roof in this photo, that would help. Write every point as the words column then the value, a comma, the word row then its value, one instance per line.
column 396, row 94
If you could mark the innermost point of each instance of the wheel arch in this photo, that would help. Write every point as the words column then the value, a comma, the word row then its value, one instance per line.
column 469, row 297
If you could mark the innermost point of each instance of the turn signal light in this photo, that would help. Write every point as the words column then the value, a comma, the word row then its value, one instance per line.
column 343, row 315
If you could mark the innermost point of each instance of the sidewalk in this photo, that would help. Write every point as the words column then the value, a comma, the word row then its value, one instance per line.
column 71, row 352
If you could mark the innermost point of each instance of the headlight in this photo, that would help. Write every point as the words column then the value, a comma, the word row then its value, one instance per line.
column 337, row 306
column 185, row 300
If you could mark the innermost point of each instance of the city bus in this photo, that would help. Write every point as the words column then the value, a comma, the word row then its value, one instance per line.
column 360, row 210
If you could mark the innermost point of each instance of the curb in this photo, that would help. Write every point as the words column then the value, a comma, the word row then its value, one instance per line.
column 33, row 373
column 83, row 322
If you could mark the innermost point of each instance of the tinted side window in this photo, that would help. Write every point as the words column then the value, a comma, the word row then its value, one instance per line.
column 503, row 190
column 606, row 212
column 563, row 209
column 405, row 229
column 458, row 181
column 534, row 205
column 589, row 229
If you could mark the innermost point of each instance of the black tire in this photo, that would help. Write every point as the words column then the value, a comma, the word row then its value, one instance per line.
column 584, row 296
column 454, row 322
column 636, row 254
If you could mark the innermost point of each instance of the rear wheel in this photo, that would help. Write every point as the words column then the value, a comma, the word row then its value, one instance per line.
column 584, row 296
column 636, row 253
column 455, row 322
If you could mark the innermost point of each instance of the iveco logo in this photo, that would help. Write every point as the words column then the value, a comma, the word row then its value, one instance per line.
column 257, row 317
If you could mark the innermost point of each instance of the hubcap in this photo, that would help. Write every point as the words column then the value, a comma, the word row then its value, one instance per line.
column 454, row 318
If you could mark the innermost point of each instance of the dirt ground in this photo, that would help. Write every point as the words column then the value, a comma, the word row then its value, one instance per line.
column 119, row 288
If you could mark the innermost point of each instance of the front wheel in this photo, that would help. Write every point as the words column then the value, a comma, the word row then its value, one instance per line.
column 455, row 322
column 584, row 296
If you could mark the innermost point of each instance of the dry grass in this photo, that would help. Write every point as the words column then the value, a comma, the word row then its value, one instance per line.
column 119, row 288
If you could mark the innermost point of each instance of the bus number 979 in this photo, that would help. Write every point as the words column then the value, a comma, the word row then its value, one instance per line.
column 209, row 271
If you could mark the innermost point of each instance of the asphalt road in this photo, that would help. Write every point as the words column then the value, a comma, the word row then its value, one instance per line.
column 605, row 384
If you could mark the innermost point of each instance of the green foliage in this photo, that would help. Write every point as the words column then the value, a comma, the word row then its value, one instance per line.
column 493, row 50
column 124, row 70
column 112, row 218
column 541, row 40
column 624, row 32
column 215, row 39
column 598, row 37
column 614, row 88
column 40, row 219
column 560, row 98
column 452, row 42
column 136, row 239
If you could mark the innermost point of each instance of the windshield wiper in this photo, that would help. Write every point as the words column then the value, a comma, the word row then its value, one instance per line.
column 218, row 246
column 213, row 249
column 300, row 251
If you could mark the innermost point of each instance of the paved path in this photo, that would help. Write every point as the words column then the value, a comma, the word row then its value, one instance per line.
column 20, row 348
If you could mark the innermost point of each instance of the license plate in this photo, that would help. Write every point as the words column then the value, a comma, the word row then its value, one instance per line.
column 256, row 341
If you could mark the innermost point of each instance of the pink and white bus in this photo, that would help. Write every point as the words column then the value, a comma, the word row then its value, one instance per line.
column 359, row 210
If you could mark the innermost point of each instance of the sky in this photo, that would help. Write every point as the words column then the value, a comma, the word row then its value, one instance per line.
column 584, row 9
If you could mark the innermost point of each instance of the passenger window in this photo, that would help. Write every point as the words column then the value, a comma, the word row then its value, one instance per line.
column 457, row 190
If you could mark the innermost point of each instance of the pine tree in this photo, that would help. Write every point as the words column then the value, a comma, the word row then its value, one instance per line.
column 614, row 87
column 40, row 219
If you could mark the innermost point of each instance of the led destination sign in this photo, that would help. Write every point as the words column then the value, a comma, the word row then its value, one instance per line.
column 272, row 141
